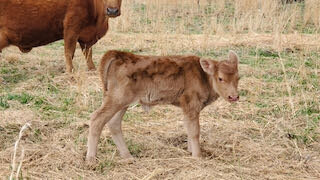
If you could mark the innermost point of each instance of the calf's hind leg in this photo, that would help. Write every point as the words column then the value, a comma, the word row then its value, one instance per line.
column 99, row 118
column 115, row 128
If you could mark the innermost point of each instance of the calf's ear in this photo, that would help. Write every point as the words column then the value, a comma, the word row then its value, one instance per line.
column 233, row 57
column 207, row 66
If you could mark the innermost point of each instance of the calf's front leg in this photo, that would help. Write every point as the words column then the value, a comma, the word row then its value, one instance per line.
column 193, row 129
column 189, row 139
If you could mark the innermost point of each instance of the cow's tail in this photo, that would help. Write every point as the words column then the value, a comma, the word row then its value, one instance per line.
column 104, row 68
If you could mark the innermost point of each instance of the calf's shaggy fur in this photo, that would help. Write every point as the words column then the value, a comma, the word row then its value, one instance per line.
column 188, row 82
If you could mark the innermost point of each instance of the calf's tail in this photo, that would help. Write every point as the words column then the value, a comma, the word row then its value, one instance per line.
column 104, row 67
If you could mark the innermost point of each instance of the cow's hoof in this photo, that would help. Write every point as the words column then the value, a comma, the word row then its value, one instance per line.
column 69, row 70
column 92, row 68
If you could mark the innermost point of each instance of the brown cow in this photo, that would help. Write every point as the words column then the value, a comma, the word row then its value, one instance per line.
column 184, row 81
column 31, row 23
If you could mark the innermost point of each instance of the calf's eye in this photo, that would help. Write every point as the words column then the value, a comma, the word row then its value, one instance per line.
column 220, row 79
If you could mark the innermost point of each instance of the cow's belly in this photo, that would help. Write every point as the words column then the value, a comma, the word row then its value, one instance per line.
column 33, row 23
column 36, row 38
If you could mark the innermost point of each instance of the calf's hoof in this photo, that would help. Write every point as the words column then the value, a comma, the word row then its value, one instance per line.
column 196, row 156
column 126, row 156
column 91, row 162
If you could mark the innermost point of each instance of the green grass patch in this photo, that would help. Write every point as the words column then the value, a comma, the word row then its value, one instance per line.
column 14, row 78
column 105, row 166
column 11, row 75
column 4, row 102
column 263, row 53
column 56, row 45
column 63, row 106
column 134, row 148
column 23, row 98
column 7, row 70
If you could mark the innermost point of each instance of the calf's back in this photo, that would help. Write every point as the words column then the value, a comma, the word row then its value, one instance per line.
column 156, row 79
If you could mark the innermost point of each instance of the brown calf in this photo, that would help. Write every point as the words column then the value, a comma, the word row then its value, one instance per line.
column 184, row 81
column 31, row 23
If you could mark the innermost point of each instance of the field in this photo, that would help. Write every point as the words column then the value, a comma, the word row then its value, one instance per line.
column 272, row 133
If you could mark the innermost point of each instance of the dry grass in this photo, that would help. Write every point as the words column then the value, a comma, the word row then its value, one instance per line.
column 272, row 133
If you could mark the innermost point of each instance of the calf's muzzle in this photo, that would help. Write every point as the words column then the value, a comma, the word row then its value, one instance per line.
column 233, row 98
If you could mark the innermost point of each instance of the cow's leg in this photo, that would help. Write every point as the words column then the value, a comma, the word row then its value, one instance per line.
column 193, row 130
column 115, row 128
column 3, row 41
column 88, row 55
column 111, row 105
column 70, row 42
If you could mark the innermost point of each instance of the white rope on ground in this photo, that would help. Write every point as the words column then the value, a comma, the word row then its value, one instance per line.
column 20, row 164
column 13, row 165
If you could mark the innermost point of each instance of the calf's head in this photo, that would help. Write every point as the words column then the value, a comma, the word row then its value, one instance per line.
column 224, row 76
column 112, row 7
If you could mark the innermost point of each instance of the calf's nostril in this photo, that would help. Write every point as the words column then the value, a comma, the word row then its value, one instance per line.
column 233, row 98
